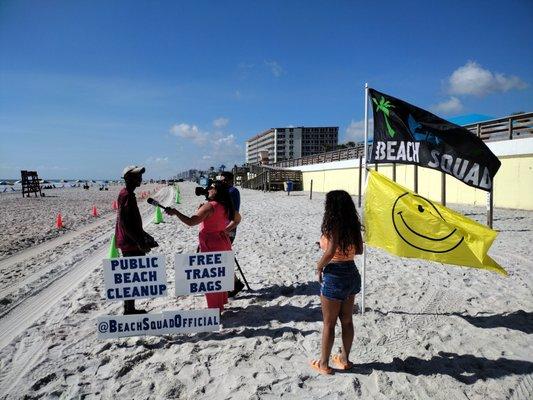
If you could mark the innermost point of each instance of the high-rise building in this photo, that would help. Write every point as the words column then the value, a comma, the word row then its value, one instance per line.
column 289, row 143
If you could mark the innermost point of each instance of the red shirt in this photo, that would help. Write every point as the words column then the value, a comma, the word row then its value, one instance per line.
column 129, row 232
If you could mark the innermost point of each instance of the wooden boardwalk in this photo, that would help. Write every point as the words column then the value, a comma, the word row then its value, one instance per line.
column 267, row 178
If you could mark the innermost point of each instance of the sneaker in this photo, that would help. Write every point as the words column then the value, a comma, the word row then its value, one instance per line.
column 238, row 287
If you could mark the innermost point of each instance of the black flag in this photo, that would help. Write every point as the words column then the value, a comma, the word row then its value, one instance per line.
column 407, row 134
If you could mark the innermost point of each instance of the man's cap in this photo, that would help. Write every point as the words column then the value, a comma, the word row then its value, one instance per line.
column 132, row 170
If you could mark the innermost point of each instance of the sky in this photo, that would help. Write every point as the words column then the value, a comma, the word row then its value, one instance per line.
column 88, row 87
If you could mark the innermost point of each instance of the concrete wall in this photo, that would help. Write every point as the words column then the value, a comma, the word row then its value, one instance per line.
column 513, row 184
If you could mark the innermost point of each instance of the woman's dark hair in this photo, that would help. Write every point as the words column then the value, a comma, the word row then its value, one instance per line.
column 342, row 221
column 224, row 198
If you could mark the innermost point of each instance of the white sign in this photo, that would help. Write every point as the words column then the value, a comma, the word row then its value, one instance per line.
column 165, row 323
column 141, row 277
column 204, row 272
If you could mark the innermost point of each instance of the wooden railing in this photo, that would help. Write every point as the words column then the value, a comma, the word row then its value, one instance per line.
column 267, row 178
column 512, row 127
column 330, row 156
column 257, row 182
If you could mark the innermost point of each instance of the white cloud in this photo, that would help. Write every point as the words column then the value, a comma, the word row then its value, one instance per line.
column 220, row 122
column 192, row 132
column 223, row 148
column 225, row 140
column 275, row 68
column 355, row 132
column 450, row 106
column 472, row 79
column 157, row 160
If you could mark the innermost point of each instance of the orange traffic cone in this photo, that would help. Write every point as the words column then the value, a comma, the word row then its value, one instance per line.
column 59, row 221
column 95, row 212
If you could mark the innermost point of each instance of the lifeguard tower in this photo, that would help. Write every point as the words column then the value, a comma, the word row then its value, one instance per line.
column 30, row 183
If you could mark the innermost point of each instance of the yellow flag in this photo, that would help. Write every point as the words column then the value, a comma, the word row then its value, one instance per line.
column 409, row 225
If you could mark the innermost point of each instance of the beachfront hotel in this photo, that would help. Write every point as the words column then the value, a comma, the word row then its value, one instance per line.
column 279, row 144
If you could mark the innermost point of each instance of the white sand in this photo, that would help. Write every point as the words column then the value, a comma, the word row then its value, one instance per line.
column 430, row 331
column 26, row 223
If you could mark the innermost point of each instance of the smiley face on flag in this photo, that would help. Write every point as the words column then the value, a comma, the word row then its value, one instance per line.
column 406, row 224
column 420, row 224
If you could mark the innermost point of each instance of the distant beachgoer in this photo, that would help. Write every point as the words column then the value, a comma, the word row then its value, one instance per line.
column 227, row 178
column 340, row 281
column 129, row 232
column 217, row 217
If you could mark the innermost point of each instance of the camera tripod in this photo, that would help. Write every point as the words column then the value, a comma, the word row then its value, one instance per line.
column 242, row 274
column 240, row 270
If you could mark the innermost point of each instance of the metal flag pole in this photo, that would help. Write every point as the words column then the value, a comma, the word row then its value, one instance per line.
column 362, row 214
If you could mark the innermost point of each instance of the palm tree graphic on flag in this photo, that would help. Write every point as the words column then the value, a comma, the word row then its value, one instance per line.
column 384, row 106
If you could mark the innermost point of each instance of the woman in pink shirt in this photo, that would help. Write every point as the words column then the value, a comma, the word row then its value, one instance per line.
column 217, row 217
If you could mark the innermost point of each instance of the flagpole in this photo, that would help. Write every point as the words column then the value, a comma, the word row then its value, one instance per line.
column 364, row 247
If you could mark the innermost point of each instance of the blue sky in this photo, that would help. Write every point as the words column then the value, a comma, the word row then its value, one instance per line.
column 87, row 87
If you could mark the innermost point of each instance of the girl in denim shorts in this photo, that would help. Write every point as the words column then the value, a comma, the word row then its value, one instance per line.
column 339, row 279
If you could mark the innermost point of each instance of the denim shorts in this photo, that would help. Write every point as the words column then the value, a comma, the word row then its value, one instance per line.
column 340, row 280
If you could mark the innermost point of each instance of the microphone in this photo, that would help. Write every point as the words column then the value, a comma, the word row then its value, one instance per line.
column 155, row 203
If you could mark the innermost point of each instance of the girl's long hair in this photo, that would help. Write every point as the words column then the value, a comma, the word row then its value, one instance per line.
column 342, row 221
column 224, row 198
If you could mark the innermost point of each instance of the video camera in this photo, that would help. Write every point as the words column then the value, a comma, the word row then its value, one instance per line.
column 203, row 191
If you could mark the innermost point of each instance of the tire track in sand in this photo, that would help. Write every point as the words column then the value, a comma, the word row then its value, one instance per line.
column 27, row 254
column 43, row 277
column 524, row 389
column 25, row 313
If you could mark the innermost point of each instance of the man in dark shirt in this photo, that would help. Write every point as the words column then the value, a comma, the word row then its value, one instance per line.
column 129, row 231
column 227, row 178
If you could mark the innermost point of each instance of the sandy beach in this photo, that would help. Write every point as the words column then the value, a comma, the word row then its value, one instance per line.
column 429, row 331
column 32, row 221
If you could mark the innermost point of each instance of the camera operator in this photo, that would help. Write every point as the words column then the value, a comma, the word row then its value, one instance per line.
column 130, row 236
column 227, row 178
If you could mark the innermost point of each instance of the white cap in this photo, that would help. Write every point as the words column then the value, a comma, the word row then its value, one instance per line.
column 132, row 169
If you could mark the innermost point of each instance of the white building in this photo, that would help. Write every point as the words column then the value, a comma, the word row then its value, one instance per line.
column 289, row 143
